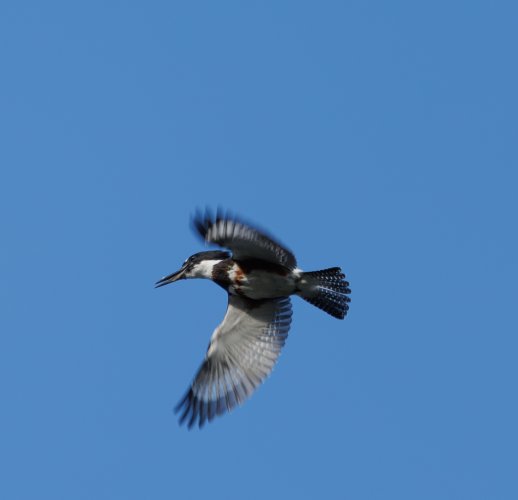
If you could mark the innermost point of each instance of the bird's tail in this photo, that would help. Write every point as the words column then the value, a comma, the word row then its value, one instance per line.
column 326, row 289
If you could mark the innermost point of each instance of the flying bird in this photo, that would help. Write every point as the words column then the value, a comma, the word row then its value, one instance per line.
column 259, row 277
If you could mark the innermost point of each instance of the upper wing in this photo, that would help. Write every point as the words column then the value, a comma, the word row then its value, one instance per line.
column 244, row 241
column 242, row 353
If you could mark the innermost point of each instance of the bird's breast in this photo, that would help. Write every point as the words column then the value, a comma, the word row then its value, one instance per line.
column 260, row 283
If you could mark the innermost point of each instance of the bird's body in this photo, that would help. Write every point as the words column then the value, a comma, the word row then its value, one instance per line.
column 255, row 279
column 259, row 278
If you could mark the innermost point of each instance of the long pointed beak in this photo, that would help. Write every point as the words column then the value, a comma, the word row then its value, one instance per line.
column 171, row 278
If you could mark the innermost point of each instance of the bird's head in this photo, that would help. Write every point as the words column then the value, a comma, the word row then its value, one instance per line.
column 199, row 265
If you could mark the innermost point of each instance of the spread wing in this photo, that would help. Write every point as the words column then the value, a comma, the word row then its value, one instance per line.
column 242, row 353
column 244, row 241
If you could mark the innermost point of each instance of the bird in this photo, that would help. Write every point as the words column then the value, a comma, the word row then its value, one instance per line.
column 259, row 275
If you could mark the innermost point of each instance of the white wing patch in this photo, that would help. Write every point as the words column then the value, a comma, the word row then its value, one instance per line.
column 242, row 353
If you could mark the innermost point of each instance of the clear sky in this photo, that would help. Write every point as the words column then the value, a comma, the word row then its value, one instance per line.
column 376, row 136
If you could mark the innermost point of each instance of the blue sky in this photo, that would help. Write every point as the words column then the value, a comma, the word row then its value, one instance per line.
column 377, row 136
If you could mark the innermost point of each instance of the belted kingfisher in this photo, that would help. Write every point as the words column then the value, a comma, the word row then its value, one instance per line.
column 259, row 278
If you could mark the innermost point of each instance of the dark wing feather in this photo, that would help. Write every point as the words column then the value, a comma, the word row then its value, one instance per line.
column 242, row 353
column 244, row 241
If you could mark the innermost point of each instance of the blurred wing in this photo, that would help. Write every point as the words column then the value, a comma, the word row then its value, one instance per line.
column 244, row 241
column 242, row 353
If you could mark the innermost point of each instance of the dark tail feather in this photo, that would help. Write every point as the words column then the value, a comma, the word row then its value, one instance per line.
column 328, row 290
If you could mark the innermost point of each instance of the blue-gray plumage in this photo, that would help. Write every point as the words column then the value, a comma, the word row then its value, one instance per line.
column 259, row 278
